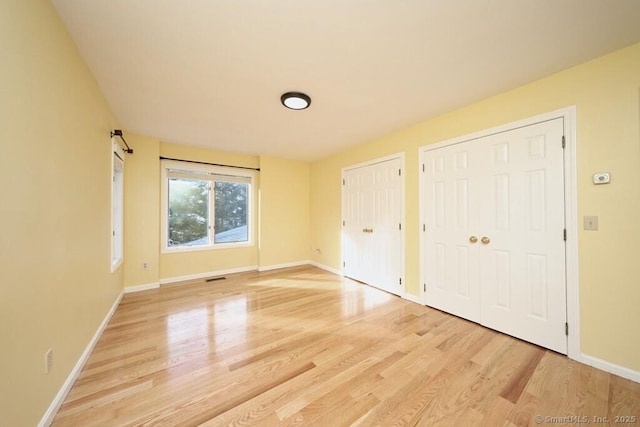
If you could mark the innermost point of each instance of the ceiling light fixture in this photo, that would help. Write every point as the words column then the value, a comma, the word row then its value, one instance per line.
column 295, row 100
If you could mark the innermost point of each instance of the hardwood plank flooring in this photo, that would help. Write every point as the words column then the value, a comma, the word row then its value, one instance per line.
column 305, row 347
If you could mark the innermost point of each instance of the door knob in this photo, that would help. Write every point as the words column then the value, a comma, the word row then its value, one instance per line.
column 473, row 239
column 485, row 240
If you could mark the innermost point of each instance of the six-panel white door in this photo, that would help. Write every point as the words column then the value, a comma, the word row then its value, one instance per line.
column 451, row 203
column 494, row 246
column 522, row 268
column 372, row 236
column 357, row 217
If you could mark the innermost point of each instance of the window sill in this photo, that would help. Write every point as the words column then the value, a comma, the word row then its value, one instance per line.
column 219, row 246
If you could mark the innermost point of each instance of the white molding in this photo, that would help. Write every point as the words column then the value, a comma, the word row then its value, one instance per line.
column 560, row 113
column 572, row 225
column 140, row 288
column 51, row 412
column 285, row 265
column 568, row 114
column 612, row 368
column 326, row 268
column 403, row 234
column 117, row 152
column 175, row 279
column 422, row 275
column 375, row 161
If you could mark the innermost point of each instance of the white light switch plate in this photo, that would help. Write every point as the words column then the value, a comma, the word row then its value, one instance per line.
column 591, row 223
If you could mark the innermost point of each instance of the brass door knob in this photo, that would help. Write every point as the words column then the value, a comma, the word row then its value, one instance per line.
column 473, row 239
column 485, row 240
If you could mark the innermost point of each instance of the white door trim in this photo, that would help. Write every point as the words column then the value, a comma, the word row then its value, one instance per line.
column 395, row 156
column 399, row 156
column 568, row 115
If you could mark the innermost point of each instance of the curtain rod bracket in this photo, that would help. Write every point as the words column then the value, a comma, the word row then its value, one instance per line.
column 118, row 132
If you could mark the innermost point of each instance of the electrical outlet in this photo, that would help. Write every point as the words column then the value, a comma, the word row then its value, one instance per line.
column 48, row 361
column 144, row 265
column 591, row 223
column 601, row 178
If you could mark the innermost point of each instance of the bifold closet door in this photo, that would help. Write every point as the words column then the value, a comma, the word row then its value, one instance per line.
column 494, row 249
column 372, row 239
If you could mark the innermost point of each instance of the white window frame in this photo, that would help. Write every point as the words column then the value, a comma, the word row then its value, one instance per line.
column 198, row 168
column 117, row 205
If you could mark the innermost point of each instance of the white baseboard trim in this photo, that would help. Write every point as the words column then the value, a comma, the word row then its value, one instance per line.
column 413, row 298
column 285, row 265
column 140, row 288
column 326, row 268
column 51, row 412
column 169, row 280
column 612, row 368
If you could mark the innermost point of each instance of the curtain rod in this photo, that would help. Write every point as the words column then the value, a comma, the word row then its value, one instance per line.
column 118, row 132
column 210, row 164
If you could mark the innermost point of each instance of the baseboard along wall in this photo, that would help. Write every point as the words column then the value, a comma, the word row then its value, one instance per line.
column 48, row 416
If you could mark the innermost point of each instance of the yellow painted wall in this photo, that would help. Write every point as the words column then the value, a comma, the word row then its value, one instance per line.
column 606, row 93
column 56, row 286
column 284, row 211
column 284, row 185
column 184, row 152
column 142, row 214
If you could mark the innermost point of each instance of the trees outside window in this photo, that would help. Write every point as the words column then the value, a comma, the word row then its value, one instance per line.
column 231, row 212
column 188, row 212
column 205, row 208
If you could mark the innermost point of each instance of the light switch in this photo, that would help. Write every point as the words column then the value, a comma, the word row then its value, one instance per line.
column 591, row 223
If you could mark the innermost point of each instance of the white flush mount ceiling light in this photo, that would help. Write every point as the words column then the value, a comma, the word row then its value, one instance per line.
column 295, row 100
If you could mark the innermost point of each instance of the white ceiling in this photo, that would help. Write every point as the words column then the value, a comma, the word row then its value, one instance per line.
column 210, row 72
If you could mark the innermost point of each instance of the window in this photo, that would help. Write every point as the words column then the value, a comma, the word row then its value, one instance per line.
column 205, row 207
column 117, row 204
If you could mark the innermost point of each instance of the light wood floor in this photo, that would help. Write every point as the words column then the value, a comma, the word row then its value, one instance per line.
column 306, row 347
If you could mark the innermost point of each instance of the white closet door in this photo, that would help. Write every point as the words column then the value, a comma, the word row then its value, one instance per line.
column 522, row 214
column 385, row 234
column 358, row 216
column 506, row 190
column 451, row 203
column 372, row 213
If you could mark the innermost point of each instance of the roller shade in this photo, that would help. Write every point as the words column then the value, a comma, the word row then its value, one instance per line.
column 207, row 176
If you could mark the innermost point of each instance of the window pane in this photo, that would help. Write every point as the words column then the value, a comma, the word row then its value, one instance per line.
column 188, row 212
column 231, row 212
